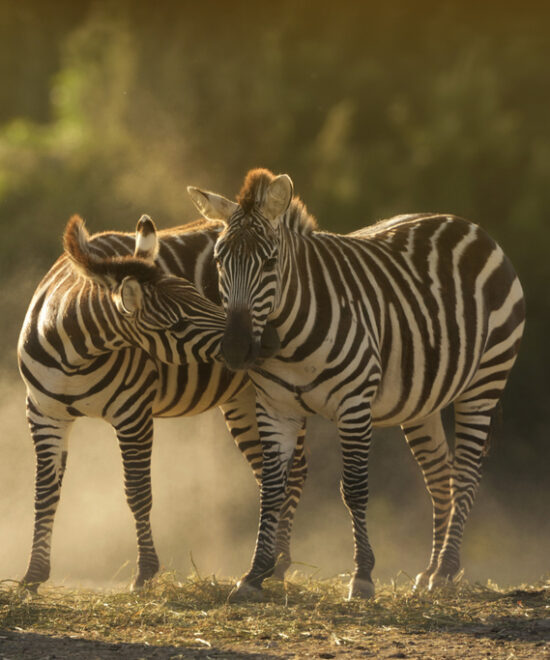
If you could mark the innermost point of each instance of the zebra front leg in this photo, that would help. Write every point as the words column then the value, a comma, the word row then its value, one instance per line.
column 355, row 429
column 428, row 444
column 240, row 417
column 50, row 437
column 471, row 432
column 136, row 441
column 278, row 438
column 295, row 484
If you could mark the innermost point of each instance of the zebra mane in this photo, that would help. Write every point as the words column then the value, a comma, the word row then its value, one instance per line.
column 253, row 192
column 103, row 270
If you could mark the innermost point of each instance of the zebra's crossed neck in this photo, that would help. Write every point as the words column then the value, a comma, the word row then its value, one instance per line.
column 164, row 315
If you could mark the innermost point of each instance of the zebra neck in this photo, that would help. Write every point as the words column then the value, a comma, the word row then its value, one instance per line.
column 292, row 247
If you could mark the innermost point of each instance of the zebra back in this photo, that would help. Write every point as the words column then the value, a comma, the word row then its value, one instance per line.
column 419, row 306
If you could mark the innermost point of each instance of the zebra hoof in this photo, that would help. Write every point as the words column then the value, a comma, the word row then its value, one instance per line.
column 139, row 583
column 359, row 588
column 281, row 567
column 29, row 587
column 422, row 582
column 440, row 582
column 244, row 592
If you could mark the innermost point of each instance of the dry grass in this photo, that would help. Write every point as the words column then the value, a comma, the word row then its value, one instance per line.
column 300, row 613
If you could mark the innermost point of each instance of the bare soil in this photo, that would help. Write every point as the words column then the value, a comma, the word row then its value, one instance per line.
column 307, row 619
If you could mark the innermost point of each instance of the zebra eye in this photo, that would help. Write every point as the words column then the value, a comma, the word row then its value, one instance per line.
column 269, row 264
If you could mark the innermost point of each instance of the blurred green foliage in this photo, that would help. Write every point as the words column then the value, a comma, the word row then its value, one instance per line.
column 112, row 109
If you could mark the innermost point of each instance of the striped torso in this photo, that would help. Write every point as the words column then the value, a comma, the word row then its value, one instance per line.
column 61, row 351
column 412, row 306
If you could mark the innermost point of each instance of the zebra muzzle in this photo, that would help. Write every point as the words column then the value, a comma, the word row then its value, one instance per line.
column 270, row 343
column 239, row 348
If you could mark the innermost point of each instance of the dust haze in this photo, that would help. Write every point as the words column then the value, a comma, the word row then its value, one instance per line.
column 206, row 504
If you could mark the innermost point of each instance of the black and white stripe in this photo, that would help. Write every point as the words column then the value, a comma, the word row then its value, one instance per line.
column 384, row 326
column 99, row 332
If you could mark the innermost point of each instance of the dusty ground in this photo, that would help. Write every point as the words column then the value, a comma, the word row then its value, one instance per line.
column 507, row 643
column 307, row 619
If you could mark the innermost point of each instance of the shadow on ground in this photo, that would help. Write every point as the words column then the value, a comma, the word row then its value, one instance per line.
column 32, row 646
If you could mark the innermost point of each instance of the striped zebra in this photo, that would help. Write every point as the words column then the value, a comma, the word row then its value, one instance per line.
column 385, row 326
column 102, row 338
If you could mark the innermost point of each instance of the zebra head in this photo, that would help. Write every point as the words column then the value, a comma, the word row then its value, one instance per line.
column 162, row 314
column 247, row 254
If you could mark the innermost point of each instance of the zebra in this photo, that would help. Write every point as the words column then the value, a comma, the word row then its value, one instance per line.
column 384, row 326
column 115, row 331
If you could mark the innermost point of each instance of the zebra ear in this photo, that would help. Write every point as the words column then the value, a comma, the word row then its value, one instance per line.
column 128, row 297
column 212, row 206
column 277, row 198
column 147, row 244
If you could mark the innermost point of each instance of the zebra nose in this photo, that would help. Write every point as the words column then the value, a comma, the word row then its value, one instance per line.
column 239, row 349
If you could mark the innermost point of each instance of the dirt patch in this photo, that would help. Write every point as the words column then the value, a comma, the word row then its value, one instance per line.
column 300, row 619
column 498, row 643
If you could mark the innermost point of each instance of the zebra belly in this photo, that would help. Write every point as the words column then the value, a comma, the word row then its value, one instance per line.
column 103, row 387
column 394, row 396
column 97, row 389
column 195, row 388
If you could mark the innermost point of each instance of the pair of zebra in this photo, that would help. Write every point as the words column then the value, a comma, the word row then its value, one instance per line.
column 384, row 326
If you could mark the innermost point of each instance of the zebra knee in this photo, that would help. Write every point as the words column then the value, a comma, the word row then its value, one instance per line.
column 354, row 498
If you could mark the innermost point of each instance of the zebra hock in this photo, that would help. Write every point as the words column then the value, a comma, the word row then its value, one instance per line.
column 78, row 354
column 384, row 326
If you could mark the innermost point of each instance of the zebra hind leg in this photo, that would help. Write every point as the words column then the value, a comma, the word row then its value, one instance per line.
column 50, row 437
column 136, row 443
column 472, row 429
column 428, row 444
column 355, row 435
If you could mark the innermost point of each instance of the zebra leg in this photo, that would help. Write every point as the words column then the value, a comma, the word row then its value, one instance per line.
column 278, row 439
column 428, row 444
column 471, row 433
column 355, row 430
column 295, row 484
column 50, row 437
column 240, row 417
column 136, row 443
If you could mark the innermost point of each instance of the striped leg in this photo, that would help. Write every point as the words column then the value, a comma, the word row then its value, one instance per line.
column 471, row 432
column 355, row 429
column 295, row 484
column 50, row 437
column 279, row 439
column 429, row 446
column 240, row 417
column 135, row 439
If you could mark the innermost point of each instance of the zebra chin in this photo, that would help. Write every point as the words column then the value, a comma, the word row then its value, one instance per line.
column 239, row 352
column 236, row 355
column 240, row 349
